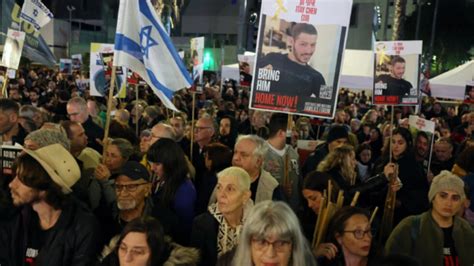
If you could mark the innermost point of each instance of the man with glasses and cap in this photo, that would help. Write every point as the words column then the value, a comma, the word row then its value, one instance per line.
column 51, row 227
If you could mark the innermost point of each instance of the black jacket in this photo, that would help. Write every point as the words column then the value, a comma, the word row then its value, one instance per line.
column 93, row 132
column 73, row 240
column 204, row 237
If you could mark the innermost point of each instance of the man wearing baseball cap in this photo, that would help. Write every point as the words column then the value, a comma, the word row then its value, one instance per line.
column 51, row 227
column 437, row 237
column 132, row 190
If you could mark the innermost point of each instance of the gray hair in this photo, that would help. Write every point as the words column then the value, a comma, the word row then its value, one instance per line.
column 79, row 101
column 273, row 218
column 260, row 148
column 29, row 111
column 239, row 173
column 124, row 146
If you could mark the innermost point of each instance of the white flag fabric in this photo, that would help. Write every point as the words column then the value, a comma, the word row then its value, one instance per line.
column 142, row 45
column 35, row 13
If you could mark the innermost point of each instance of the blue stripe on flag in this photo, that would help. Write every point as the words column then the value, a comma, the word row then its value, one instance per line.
column 167, row 92
column 147, row 13
column 127, row 45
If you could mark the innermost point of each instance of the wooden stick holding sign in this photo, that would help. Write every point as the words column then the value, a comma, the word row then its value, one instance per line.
column 192, row 125
column 105, row 141
column 4, row 87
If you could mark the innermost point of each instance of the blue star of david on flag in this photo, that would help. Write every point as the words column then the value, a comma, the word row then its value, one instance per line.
column 35, row 12
column 146, row 42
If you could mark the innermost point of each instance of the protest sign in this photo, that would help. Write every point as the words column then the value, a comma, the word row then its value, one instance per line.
column 8, row 154
column 13, row 48
column 76, row 61
column 397, row 72
column 101, row 57
column 197, row 59
column 299, row 55
column 65, row 66
column 246, row 68
column 423, row 132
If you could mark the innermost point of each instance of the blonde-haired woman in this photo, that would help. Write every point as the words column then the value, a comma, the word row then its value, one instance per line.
column 341, row 165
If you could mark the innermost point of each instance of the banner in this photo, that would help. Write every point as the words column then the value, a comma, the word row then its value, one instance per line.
column 246, row 68
column 397, row 73
column 101, row 61
column 13, row 48
column 197, row 59
column 423, row 133
column 299, row 55
column 65, row 66
column 35, row 48
column 35, row 13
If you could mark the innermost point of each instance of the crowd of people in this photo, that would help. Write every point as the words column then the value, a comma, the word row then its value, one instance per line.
column 234, row 188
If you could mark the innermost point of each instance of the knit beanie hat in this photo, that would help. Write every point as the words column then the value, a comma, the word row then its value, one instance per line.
column 446, row 181
column 337, row 132
column 45, row 137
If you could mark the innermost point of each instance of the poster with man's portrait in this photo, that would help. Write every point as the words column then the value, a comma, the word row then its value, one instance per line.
column 13, row 48
column 397, row 73
column 469, row 93
column 422, row 131
column 299, row 53
column 65, row 66
column 101, row 57
column 246, row 68
column 197, row 59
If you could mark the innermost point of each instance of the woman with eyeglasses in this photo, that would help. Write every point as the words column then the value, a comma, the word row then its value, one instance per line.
column 272, row 236
column 350, row 232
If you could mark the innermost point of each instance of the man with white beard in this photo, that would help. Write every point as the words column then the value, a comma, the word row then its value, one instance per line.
column 133, row 190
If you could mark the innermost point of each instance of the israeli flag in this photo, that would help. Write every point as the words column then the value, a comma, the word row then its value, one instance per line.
column 142, row 45
column 35, row 13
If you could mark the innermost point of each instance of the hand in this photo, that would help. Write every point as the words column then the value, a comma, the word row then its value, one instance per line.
column 430, row 176
column 102, row 172
column 389, row 169
column 397, row 185
column 328, row 250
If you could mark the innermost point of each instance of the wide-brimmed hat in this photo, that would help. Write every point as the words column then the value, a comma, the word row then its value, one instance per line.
column 59, row 164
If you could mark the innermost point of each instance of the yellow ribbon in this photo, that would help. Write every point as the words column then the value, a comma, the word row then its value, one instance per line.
column 280, row 8
column 382, row 56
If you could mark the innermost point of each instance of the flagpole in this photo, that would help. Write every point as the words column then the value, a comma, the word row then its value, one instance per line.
column 192, row 124
column 109, row 110
column 136, row 109
column 5, row 83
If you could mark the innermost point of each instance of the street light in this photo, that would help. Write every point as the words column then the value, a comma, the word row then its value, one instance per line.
column 70, row 9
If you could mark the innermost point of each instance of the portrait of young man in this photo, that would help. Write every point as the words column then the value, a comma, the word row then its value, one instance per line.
column 290, row 72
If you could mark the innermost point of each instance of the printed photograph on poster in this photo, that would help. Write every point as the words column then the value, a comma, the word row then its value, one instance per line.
column 246, row 68
column 65, row 66
column 76, row 61
column 469, row 94
column 397, row 72
column 13, row 48
column 197, row 59
column 422, row 131
column 299, row 55
column 100, row 71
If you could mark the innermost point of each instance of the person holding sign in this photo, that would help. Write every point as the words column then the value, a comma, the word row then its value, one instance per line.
column 394, row 84
column 290, row 74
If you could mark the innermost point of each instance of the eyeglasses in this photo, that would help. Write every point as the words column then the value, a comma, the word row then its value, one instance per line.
column 128, row 187
column 359, row 234
column 73, row 114
column 278, row 245
column 200, row 128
